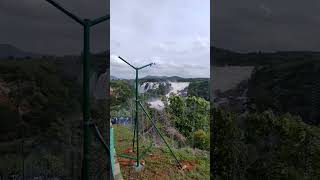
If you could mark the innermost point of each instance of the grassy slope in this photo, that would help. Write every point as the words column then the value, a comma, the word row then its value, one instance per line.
column 161, row 165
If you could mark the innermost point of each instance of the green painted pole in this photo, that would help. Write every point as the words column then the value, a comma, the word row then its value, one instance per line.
column 68, row 13
column 86, row 99
column 134, row 133
column 137, row 122
column 86, row 24
column 136, row 128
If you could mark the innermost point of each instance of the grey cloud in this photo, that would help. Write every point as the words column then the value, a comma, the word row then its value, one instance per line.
column 36, row 26
column 165, row 67
column 174, row 34
column 251, row 25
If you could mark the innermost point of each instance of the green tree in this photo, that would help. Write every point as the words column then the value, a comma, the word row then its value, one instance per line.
column 199, row 88
column 265, row 145
column 202, row 139
column 189, row 114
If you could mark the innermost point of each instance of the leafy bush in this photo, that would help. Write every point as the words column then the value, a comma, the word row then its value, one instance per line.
column 288, row 87
column 188, row 113
column 46, row 93
column 199, row 88
column 202, row 139
column 259, row 145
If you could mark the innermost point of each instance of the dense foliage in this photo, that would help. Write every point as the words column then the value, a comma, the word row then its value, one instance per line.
column 288, row 87
column 121, row 95
column 121, row 92
column 199, row 88
column 278, row 135
column 202, row 139
column 189, row 115
column 40, row 110
column 266, row 146
column 42, row 90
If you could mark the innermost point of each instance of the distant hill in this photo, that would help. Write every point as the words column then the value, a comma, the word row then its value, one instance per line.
column 114, row 78
column 7, row 50
column 170, row 78
column 223, row 57
column 150, row 78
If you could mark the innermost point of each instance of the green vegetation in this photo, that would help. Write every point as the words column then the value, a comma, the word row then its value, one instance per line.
column 287, row 87
column 121, row 93
column 41, row 89
column 184, row 122
column 199, row 88
column 202, row 139
column 186, row 114
column 266, row 146
column 189, row 115
column 159, row 162
column 40, row 110
column 278, row 136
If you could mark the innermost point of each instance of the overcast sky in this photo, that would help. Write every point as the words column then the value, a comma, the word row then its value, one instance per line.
column 267, row 25
column 36, row 26
column 175, row 34
column 146, row 29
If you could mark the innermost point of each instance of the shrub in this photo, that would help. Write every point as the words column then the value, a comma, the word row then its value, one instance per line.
column 202, row 139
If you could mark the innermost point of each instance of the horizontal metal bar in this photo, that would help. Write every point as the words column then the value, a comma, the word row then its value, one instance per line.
column 127, row 156
column 100, row 20
column 145, row 66
column 58, row 6
column 127, row 62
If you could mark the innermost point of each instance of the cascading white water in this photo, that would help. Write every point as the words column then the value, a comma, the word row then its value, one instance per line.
column 175, row 88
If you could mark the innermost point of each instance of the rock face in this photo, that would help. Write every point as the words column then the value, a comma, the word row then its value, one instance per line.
column 235, row 99
column 230, row 87
column 147, row 86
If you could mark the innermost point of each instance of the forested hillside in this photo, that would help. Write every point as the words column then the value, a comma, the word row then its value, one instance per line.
column 41, row 116
column 266, row 146
column 288, row 87
column 275, row 132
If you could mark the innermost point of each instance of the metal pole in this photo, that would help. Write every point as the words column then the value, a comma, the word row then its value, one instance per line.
column 23, row 158
column 133, row 123
column 86, row 99
column 134, row 132
column 68, row 13
column 136, row 128
column 86, row 23
column 137, row 122
column 193, row 124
